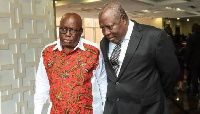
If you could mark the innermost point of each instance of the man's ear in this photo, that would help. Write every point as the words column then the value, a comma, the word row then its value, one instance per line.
column 124, row 19
column 81, row 31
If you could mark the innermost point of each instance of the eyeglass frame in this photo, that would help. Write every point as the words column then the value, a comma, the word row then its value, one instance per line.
column 72, row 31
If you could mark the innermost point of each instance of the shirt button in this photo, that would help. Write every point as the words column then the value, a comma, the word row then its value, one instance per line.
column 118, row 99
column 117, row 83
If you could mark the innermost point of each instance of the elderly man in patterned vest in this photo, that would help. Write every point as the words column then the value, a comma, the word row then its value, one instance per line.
column 71, row 71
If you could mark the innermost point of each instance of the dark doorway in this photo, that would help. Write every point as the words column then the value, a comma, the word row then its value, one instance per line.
column 177, row 29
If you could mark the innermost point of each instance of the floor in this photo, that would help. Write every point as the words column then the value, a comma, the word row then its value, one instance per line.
column 182, row 102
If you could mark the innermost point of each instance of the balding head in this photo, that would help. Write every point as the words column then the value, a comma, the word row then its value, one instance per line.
column 72, row 16
column 113, row 7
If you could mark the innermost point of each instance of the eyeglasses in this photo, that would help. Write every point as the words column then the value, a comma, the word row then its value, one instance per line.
column 64, row 30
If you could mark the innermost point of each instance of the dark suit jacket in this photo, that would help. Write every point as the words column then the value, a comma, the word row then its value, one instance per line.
column 147, row 75
column 193, row 50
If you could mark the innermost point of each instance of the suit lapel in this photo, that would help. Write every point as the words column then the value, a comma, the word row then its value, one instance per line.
column 104, row 48
column 132, row 46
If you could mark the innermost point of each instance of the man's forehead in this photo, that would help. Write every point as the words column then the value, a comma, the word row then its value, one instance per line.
column 110, row 14
column 68, row 20
column 108, row 17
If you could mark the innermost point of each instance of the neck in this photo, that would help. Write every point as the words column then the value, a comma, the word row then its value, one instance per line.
column 67, row 49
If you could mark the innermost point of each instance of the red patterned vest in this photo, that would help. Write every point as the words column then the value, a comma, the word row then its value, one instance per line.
column 69, row 77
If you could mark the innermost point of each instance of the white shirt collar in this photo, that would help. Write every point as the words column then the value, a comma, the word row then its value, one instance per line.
column 79, row 45
column 129, row 31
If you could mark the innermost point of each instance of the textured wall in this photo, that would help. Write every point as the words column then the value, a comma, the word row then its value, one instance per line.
column 26, row 26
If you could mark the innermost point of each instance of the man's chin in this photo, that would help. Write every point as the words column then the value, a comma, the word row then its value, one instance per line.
column 66, row 43
column 112, row 40
column 115, row 41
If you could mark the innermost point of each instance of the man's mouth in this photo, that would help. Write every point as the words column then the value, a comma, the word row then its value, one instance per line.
column 111, row 38
column 67, row 41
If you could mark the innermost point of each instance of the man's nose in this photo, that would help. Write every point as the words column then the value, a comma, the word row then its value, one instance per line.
column 106, row 31
column 68, row 33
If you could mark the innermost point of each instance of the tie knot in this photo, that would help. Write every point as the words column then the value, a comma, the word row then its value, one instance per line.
column 117, row 46
column 119, row 43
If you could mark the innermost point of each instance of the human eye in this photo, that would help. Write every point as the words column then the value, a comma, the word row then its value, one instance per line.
column 110, row 27
column 102, row 28
column 72, row 31
column 62, row 29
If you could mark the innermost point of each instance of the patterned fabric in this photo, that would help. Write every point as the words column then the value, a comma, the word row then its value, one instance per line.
column 115, row 57
column 69, row 77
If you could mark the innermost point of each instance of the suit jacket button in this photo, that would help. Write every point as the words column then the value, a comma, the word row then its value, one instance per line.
column 118, row 99
column 117, row 83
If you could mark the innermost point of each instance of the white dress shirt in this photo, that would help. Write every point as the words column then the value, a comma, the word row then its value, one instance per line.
column 124, row 45
column 99, row 82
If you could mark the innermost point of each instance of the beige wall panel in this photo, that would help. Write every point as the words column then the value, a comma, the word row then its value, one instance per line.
column 89, row 34
column 157, row 22
column 26, row 27
column 99, row 35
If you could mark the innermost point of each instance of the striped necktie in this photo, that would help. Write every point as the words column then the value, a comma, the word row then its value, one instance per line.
column 115, row 57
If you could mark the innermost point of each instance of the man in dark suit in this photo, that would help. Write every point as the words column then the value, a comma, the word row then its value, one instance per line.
column 147, row 65
column 193, row 57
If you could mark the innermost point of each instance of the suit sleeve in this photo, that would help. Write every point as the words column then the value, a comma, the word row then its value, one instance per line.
column 166, row 62
column 188, row 52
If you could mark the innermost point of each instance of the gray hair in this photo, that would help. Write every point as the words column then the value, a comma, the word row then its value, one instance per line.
column 113, row 6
